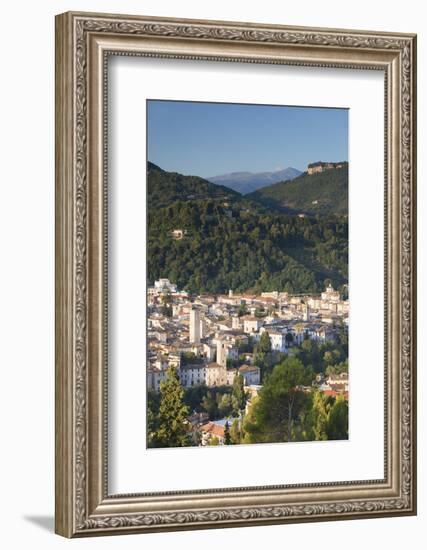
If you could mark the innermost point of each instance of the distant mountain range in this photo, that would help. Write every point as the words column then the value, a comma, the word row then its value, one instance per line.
column 247, row 182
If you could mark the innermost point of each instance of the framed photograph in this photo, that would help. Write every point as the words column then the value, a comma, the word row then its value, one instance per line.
column 235, row 274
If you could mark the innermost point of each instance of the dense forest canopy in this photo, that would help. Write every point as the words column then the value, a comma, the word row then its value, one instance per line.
column 323, row 194
column 231, row 241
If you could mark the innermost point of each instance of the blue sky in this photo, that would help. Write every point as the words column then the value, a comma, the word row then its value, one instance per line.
column 208, row 139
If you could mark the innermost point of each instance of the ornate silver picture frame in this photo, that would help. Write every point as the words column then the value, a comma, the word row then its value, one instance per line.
column 84, row 42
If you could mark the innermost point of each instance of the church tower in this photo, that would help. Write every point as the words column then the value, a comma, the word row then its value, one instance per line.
column 194, row 326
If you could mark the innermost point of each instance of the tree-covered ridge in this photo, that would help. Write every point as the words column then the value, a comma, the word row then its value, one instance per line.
column 325, row 193
column 166, row 187
column 233, row 242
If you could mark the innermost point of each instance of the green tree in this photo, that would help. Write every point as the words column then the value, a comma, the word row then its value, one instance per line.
column 320, row 416
column 262, row 354
column 232, row 363
column 304, row 431
column 307, row 345
column 243, row 310
column 210, row 405
column 194, row 395
column 225, row 405
column 331, row 370
column 328, row 358
column 329, row 417
column 227, row 436
column 235, row 432
column 238, row 394
column 190, row 358
column 338, row 368
column 153, row 404
column 173, row 412
column 264, row 345
column 167, row 304
column 278, row 405
column 337, row 427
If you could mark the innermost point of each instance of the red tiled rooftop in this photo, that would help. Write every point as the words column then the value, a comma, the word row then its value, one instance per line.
column 213, row 429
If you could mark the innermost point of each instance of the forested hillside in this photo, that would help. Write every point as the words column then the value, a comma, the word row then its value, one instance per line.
column 166, row 187
column 325, row 193
column 233, row 242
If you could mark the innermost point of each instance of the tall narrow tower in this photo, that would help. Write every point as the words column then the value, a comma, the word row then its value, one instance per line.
column 221, row 353
column 194, row 326
column 306, row 312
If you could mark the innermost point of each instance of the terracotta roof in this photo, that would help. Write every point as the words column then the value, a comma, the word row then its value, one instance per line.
column 213, row 429
column 333, row 393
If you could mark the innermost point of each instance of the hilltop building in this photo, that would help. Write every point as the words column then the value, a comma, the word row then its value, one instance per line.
column 178, row 234
column 164, row 285
column 330, row 295
column 318, row 167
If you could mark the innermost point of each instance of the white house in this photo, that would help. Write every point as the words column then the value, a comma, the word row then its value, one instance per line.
column 164, row 285
column 192, row 375
column 277, row 338
column 218, row 375
column 251, row 374
column 339, row 381
column 278, row 341
column 209, row 352
column 154, row 377
column 236, row 323
column 330, row 295
column 211, row 430
column 251, row 324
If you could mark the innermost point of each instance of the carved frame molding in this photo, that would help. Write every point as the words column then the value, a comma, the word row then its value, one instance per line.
column 83, row 43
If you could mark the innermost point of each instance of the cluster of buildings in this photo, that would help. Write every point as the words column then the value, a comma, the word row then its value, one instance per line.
column 334, row 384
column 206, row 337
column 318, row 167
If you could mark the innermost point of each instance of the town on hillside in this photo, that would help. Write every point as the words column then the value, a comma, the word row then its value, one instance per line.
column 222, row 348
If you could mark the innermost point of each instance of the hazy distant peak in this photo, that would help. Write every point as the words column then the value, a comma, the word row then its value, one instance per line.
column 247, row 182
